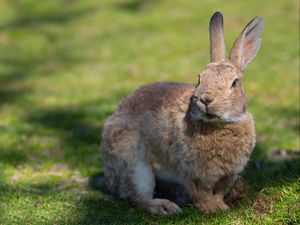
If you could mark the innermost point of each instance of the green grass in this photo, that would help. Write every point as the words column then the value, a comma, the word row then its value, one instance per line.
column 64, row 65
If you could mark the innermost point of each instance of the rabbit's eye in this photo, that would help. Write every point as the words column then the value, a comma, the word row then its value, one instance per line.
column 234, row 83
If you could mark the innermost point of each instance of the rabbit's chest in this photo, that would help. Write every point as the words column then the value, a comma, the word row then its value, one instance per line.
column 222, row 152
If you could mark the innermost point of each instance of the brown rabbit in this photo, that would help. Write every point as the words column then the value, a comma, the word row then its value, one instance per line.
column 200, row 136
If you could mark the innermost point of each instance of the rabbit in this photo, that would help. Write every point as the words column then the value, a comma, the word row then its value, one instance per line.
column 198, row 135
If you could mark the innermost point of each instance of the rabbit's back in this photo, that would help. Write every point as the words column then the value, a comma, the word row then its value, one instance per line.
column 157, row 96
column 146, row 118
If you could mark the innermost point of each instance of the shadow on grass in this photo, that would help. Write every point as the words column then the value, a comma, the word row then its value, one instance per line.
column 2, row 187
column 78, row 128
column 262, row 173
column 135, row 5
column 32, row 15
column 9, row 78
column 57, row 194
column 22, row 57
column 78, row 135
column 42, row 197
column 111, row 211
column 13, row 156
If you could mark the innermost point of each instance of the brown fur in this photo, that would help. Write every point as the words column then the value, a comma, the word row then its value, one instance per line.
column 165, row 131
column 172, row 92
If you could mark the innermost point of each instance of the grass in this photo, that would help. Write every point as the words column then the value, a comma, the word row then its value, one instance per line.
column 64, row 65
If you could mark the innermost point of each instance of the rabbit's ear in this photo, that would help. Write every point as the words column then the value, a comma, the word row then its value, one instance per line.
column 247, row 44
column 217, row 42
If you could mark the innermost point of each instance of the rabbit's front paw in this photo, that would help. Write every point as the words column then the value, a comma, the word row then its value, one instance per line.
column 210, row 207
column 162, row 207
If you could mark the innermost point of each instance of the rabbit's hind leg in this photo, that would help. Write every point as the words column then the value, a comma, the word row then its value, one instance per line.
column 127, row 171
column 141, row 181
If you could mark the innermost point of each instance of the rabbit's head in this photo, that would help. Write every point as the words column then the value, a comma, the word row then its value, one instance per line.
column 219, row 95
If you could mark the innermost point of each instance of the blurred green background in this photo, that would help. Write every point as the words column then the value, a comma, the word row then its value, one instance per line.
column 64, row 65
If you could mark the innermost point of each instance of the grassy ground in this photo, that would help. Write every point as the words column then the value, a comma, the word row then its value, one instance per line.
column 64, row 65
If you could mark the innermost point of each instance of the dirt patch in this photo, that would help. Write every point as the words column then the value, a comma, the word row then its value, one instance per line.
column 263, row 205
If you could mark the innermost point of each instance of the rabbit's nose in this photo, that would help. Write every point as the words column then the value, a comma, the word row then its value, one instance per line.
column 206, row 100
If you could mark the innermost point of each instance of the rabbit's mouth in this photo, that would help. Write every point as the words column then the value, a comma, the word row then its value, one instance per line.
column 200, row 112
column 211, row 116
column 204, row 116
column 208, row 115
